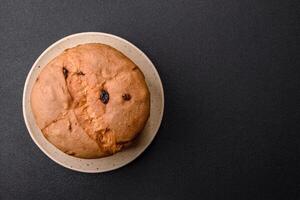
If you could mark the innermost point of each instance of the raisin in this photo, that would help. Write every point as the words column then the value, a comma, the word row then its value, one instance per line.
column 104, row 96
column 70, row 127
column 126, row 97
column 65, row 72
column 80, row 73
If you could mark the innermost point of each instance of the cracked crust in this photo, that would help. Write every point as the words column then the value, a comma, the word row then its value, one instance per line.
column 66, row 105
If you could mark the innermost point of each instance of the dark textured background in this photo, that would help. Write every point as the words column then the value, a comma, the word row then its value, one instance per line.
column 230, row 71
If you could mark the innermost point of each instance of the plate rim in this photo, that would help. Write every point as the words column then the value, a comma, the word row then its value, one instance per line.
column 27, row 123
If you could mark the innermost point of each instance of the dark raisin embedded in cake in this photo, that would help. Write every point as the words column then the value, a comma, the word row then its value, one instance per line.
column 80, row 73
column 126, row 97
column 70, row 127
column 104, row 96
column 65, row 72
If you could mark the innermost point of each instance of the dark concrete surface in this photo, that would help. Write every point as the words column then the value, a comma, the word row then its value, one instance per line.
column 230, row 71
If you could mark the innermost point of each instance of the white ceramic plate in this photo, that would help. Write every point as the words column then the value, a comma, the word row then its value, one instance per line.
column 144, row 139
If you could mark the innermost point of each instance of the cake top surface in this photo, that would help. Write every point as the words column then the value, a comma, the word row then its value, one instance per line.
column 90, row 101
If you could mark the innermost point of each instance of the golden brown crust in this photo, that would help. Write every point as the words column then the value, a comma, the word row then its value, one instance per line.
column 68, row 109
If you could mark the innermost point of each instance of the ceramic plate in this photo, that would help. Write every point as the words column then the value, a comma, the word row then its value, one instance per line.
column 144, row 139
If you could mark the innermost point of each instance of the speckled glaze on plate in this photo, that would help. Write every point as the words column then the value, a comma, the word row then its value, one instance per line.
column 144, row 139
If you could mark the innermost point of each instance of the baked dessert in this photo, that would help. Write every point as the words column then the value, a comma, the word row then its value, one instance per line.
column 90, row 101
